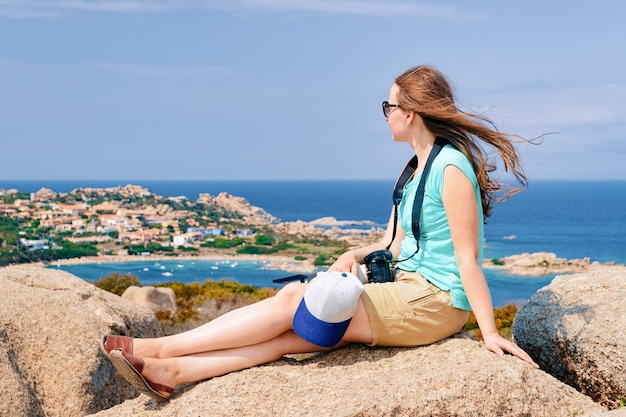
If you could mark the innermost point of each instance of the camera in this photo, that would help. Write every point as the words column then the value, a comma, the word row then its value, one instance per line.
column 378, row 264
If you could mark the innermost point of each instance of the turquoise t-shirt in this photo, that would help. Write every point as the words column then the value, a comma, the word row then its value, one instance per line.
column 435, row 259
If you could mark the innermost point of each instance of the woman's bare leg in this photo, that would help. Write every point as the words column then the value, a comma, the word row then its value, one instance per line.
column 245, row 326
column 200, row 366
column 174, row 371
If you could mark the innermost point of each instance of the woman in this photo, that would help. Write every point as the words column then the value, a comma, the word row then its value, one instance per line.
column 438, row 279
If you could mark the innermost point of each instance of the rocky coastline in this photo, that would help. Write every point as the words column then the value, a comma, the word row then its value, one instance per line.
column 536, row 264
column 539, row 264
column 280, row 262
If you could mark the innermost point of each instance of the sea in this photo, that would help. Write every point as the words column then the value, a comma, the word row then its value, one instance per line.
column 573, row 219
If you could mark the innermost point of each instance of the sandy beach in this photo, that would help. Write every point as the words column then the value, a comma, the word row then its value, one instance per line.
column 286, row 263
column 536, row 264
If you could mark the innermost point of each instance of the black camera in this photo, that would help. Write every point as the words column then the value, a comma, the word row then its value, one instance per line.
column 378, row 264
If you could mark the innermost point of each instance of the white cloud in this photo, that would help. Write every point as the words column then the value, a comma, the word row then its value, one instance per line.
column 563, row 106
column 591, row 105
column 56, row 8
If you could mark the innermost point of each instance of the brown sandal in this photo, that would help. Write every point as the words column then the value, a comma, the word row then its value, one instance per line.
column 115, row 342
column 130, row 367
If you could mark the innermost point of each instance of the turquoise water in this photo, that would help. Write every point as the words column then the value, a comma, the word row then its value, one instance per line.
column 573, row 219
column 155, row 272
column 504, row 288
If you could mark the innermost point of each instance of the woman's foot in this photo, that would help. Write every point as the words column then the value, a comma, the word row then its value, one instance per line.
column 131, row 367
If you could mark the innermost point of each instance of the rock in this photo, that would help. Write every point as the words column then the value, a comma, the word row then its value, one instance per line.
column 331, row 221
column 45, row 194
column 574, row 329
column 251, row 215
column 156, row 299
column 541, row 264
column 455, row 377
column 300, row 229
column 17, row 394
column 51, row 323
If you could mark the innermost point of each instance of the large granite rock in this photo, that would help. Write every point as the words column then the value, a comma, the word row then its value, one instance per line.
column 575, row 329
column 250, row 214
column 51, row 323
column 156, row 299
column 455, row 377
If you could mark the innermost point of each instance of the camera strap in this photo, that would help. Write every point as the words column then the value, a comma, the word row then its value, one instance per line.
column 398, row 191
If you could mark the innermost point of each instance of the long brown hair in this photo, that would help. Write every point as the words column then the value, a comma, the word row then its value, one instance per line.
column 426, row 91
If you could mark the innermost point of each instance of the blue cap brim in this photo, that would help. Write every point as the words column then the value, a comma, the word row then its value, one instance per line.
column 316, row 331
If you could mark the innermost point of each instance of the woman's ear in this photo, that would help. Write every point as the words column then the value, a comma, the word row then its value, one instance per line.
column 410, row 116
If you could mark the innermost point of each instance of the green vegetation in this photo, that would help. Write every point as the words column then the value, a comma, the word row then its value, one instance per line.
column 12, row 198
column 44, row 223
column 150, row 247
column 497, row 262
column 197, row 303
column 11, row 251
column 222, row 243
column 323, row 260
column 68, row 250
column 117, row 283
column 265, row 240
column 504, row 321
column 255, row 250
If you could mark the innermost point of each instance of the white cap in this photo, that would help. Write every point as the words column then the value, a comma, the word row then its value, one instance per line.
column 329, row 302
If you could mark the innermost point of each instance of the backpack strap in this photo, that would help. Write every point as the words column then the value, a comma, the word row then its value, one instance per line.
column 421, row 188
column 398, row 191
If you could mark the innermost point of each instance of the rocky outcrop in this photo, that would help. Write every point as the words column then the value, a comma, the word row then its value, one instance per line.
column 311, row 231
column 541, row 264
column 156, row 299
column 44, row 194
column 51, row 323
column 455, row 377
column 128, row 190
column 574, row 328
column 331, row 222
column 252, row 215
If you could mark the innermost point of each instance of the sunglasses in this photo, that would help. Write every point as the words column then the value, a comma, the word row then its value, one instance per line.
column 387, row 108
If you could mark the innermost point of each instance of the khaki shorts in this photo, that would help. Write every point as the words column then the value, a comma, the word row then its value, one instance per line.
column 410, row 311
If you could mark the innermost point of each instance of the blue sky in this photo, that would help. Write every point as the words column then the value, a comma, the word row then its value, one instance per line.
column 291, row 89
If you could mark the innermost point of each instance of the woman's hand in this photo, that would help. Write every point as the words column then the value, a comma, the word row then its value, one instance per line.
column 498, row 345
column 346, row 263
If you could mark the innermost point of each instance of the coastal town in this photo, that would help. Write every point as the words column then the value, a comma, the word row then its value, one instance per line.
column 130, row 220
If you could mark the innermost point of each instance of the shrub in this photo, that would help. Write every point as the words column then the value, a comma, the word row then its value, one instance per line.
column 187, row 249
column 322, row 260
column 221, row 243
column 255, row 250
column 117, row 283
column 200, row 303
column 264, row 240
column 504, row 321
